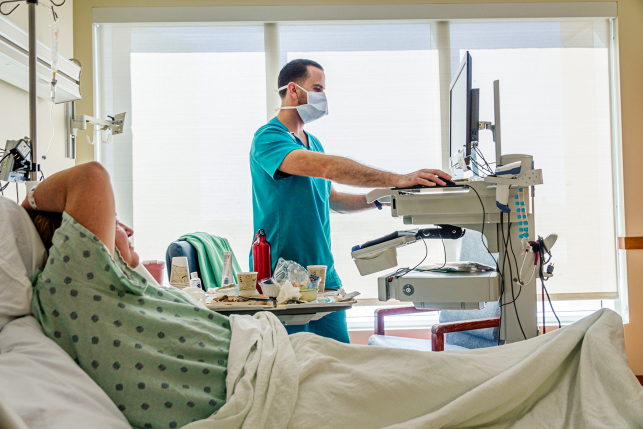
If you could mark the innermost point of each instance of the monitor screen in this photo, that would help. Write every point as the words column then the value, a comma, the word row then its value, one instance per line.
column 460, row 109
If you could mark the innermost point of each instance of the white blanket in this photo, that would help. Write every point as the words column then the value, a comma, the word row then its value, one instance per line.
column 575, row 377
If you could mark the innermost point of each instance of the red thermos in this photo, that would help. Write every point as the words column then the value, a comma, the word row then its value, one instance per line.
column 261, row 257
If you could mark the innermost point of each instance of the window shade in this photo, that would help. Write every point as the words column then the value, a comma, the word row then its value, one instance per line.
column 196, row 96
column 554, row 98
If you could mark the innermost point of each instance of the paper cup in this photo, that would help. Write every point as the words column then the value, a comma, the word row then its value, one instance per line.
column 247, row 283
column 179, row 274
column 319, row 270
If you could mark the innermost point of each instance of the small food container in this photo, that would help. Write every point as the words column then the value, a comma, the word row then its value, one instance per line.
column 315, row 280
column 309, row 294
column 270, row 288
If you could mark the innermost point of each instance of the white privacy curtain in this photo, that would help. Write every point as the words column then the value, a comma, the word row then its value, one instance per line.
column 194, row 97
column 554, row 85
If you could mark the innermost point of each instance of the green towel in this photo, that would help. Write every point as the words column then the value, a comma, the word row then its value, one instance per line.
column 210, row 252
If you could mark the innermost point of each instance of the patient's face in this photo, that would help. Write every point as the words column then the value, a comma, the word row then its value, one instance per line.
column 124, row 246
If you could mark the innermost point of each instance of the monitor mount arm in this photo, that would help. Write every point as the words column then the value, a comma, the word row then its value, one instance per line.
column 115, row 124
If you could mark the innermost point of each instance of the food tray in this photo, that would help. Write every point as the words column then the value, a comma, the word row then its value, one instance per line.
column 289, row 309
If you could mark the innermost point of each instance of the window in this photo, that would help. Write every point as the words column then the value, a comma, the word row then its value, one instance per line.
column 196, row 95
column 554, row 84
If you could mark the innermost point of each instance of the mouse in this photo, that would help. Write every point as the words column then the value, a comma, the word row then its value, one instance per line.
column 448, row 184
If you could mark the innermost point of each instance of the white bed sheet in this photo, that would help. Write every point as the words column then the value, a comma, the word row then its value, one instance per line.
column 573, row 378
column 44, row 385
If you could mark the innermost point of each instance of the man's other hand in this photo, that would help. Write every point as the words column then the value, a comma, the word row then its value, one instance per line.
column 422, row 177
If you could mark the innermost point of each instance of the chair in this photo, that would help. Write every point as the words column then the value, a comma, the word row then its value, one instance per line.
column 458, row 329
column 182, row 248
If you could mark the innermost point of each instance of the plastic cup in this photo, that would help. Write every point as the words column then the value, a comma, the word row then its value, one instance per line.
column 179, row 273
column 247, row 283
column 319, row 270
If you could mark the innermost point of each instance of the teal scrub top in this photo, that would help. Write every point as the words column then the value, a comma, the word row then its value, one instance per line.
column 292, row 210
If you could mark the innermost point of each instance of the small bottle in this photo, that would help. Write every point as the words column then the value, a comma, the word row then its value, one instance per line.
column 195, row 280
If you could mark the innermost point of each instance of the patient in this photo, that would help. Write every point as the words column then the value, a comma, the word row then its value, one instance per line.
column 157, row 353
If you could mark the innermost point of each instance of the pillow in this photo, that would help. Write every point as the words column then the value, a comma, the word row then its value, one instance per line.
column 44, row 385
column 21, row 254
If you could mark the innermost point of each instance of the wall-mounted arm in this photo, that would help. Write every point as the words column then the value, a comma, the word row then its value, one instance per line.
column 116, row 123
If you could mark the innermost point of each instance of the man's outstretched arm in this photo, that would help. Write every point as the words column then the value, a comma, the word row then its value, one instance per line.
column 342, row 170
column 341, row 202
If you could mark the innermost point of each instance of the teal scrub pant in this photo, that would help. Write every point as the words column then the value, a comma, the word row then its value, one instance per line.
column 332, row 325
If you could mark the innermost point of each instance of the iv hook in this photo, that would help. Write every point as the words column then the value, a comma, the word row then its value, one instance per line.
column 58, row 5
column 11, row 11
column 109, row 138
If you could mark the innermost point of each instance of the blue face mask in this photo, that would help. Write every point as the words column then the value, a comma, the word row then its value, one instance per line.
column 315, row 108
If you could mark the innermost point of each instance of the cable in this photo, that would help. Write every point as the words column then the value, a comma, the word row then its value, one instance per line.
column 397, row 274
column 479, row 152
column 541, row 253
column 404, row 271
column 53, row 130
column 550, row 304
column 507, row 243
column 507, row 246
column 502, row 279
column 483, row 222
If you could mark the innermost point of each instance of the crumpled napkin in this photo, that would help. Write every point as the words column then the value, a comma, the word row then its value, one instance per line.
column 288, row 292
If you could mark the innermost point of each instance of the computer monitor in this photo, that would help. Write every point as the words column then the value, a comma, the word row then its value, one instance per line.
column 496, row 125
column 460, row 110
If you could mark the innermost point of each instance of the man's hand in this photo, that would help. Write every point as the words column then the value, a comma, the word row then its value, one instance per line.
column 422, row 177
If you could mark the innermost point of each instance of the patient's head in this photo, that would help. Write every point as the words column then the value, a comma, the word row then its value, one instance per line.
column 47, row 223
column 124, row 246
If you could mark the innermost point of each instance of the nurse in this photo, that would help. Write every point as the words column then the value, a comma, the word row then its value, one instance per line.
column 292, row 184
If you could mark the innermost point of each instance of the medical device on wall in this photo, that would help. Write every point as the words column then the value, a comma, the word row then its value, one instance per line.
column 15, row 162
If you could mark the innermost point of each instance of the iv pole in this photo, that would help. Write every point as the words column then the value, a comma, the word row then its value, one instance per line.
column 33, row 100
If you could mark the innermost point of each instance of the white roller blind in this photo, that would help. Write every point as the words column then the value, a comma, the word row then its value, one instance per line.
column 196, row 96
column 554, row 82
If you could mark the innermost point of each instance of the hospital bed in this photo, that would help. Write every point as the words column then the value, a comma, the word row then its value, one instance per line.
column 42, row 387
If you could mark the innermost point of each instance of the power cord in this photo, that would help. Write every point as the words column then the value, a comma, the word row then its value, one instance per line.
column 401, row 272
column 507, row 244
column 542, row 249
column 502, row 277
column 404, row 271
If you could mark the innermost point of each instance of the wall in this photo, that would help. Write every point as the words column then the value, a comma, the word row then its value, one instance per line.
column 14, row 108
column 630, row 13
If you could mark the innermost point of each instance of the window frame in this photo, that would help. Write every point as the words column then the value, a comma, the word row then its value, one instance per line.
column 439, row 16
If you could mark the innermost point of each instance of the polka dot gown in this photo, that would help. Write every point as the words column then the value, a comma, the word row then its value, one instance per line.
column 160, row 357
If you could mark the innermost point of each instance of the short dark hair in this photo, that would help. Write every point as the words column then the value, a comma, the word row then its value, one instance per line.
column 46, row 224
column 295, row 71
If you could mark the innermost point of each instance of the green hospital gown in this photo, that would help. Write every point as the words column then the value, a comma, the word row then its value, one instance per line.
column 159, row 356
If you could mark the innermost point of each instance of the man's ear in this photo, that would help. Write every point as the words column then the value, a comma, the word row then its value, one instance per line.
column 292, row 91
